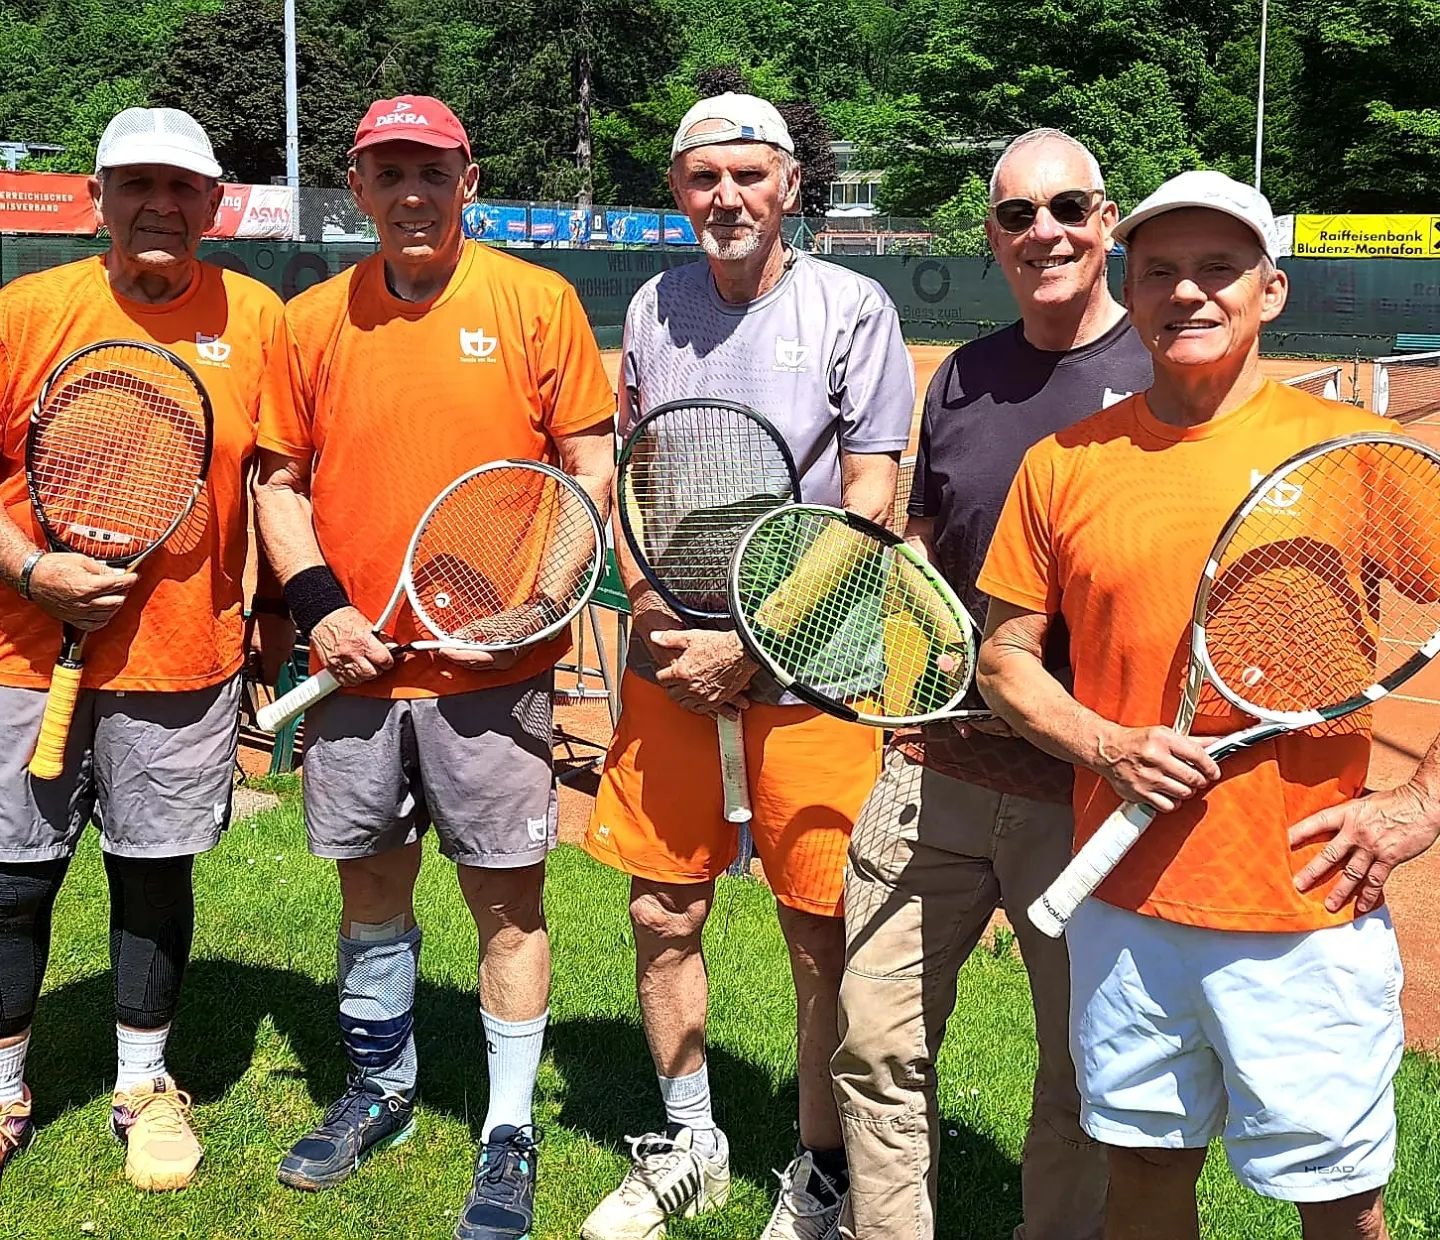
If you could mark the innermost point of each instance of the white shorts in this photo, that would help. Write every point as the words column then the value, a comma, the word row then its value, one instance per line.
column 1285, row 1045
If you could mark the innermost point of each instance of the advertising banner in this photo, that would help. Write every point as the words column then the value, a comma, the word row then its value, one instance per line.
column 1367, row 236
column 255, row 213
column 45, row 202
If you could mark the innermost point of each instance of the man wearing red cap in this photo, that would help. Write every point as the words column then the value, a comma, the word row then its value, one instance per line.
column 432, row 357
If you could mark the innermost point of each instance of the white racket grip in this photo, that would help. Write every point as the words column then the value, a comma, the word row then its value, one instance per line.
column 1102, row 852
column 283, row 709
column 732, row 769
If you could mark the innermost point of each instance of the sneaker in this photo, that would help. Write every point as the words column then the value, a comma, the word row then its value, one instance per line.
column 364, row 1120
column 16, row 1128
column 501, row 1203
column 799, row 1213
column 152, row 1119
column 666, row 1178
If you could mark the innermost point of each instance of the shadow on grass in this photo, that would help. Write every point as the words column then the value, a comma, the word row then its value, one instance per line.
column 609, row 1088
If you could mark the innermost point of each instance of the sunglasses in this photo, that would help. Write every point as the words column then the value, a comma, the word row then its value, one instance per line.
column 1071, row 208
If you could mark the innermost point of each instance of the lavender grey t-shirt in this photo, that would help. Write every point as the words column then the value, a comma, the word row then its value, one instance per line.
column 820, row 355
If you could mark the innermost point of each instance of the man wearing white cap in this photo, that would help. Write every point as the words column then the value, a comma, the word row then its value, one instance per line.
column 152, row 749
column 1216, row 992
column 816, row 349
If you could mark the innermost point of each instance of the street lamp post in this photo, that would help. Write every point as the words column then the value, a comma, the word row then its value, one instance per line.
column 292, row 121
column 1260, row 93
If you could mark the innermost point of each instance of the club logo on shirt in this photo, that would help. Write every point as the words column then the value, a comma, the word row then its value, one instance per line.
column 790, row 355
column 1281, row 495
column 476, row 346
column 212, row 350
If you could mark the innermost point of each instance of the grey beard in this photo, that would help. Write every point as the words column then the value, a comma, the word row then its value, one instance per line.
column 733, row 250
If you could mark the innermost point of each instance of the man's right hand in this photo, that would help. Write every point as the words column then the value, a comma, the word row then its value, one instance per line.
column 1154, row 766
column 77, row 590
column 346, row 644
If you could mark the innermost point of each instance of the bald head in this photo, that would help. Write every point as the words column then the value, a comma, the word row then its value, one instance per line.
column 1047, row 143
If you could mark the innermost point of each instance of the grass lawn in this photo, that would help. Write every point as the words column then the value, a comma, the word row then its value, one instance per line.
column 257, row 1045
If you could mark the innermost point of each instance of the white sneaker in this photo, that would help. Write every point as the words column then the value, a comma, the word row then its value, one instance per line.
column 799, row 1214
column 667, row 1178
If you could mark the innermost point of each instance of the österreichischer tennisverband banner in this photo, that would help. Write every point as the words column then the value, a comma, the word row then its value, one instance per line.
column 1367, row 236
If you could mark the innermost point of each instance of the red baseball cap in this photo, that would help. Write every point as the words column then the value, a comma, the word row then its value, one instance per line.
column 411, row 118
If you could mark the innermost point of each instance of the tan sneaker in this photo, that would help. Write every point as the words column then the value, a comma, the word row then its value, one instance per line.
column 667, row 1179
column 800, row 1213
column 153, row 1120
column 16, row 1129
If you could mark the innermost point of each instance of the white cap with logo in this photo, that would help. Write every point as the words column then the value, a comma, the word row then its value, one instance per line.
column 156, row 136
column 1213, row 191
column 746, row 118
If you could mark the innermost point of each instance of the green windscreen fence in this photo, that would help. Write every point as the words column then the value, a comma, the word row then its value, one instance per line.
column 1337, row 308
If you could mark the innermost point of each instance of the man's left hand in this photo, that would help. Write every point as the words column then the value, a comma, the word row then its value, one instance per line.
column 709, row 673
column 1371, row 836
column 269, row 642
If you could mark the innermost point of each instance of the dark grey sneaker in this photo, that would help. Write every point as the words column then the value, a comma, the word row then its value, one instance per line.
column 501, row 1204
column 362, row 1121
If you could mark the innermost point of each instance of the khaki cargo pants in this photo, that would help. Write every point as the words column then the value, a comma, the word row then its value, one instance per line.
column 930, row 860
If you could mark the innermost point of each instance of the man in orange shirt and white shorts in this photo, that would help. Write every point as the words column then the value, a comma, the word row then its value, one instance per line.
column 816, row 349
column 152, row 749
column 431, row 357
column 1216, row 990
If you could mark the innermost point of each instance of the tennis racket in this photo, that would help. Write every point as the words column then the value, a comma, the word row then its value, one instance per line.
column 505, row 556
column 692, row 477
column 851, row 620
column 1322, row 595
column 116, row 457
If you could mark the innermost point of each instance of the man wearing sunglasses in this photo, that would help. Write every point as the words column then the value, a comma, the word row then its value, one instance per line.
column 963, row 820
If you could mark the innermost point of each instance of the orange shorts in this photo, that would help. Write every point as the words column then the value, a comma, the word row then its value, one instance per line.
column 659, row 811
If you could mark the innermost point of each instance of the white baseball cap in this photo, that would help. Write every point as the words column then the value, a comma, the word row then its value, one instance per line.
column 746, row 118
column 1213, row 191
column 156, row 136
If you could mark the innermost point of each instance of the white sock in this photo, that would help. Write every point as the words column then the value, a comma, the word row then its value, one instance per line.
column 12, row 1071
column 687, row 1104
column 141, row 1054
column 512, row 1055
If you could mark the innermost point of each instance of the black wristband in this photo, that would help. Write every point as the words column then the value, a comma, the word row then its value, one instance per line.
column 268, row 607
column 312, row 594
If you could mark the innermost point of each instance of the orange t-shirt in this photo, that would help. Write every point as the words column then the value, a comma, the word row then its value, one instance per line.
column 181, row 627
column 1109, row 523
column 394, row 400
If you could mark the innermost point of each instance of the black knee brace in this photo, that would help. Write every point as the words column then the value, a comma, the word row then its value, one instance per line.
column 27, row 899
column 152, row 920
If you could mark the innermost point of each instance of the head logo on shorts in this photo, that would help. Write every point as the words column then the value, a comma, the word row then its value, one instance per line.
column 211, row 349
column 476, row 346
column 790, row 354
column 538, row 829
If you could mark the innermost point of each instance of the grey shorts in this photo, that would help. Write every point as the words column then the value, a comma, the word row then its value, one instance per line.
column 154, row 770
column 478, row 765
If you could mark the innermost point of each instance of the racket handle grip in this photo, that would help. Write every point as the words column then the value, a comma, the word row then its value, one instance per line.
column 732, row 769
column 49, row 757
column 1102, row 852
column 304, row 695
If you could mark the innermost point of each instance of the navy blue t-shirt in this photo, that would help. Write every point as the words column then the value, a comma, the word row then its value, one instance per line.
column 986, row 405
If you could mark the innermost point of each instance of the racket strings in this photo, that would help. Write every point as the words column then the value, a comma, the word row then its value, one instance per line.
column 504, row 555
column 696, row 479
column 1331, row 583
column 116, row 452
column 843, row 613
